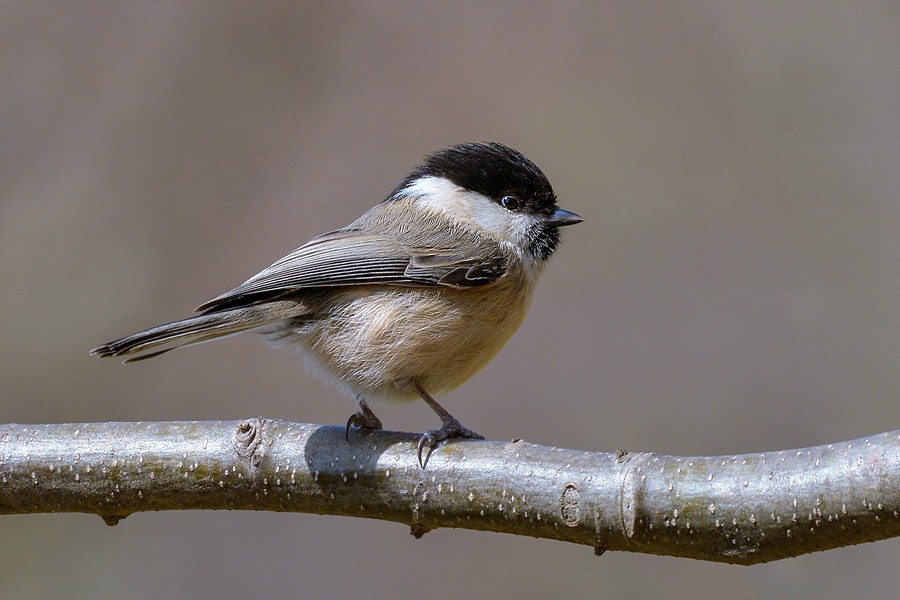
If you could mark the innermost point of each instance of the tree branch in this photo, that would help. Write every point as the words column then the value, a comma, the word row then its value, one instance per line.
column 741, row 509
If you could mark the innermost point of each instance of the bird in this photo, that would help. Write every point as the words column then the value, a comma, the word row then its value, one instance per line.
column 410, row 299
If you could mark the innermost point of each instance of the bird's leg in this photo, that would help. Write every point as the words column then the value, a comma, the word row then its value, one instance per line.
column 364, row 419
column 450, row 428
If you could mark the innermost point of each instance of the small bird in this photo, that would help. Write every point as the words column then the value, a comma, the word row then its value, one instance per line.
column 409, row 300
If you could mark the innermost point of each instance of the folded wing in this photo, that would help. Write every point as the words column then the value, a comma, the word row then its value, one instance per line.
column 349, row 257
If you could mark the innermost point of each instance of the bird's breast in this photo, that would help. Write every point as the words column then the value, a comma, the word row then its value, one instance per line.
column 379, row 340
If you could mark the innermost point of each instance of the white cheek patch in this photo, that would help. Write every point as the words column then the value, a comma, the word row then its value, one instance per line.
column 443, row 196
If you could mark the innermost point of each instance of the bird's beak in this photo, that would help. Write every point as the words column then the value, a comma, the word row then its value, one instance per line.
column 561, row 218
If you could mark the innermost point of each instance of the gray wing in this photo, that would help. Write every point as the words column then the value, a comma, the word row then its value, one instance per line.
column 348, row 257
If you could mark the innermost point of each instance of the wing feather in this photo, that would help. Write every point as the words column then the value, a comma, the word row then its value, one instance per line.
column 349, row 257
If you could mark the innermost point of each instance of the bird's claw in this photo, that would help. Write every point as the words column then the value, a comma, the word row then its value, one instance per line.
column 431, row 438
column 363, row 421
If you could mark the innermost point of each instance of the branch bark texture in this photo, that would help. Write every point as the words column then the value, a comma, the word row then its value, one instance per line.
column 741, row 509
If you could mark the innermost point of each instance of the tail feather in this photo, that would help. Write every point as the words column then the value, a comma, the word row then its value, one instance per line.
column 187, row 332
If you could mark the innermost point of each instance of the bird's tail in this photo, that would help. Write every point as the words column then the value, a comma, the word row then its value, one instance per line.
column 187, row 332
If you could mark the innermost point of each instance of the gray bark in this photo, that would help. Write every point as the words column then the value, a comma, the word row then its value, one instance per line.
column 742, row 509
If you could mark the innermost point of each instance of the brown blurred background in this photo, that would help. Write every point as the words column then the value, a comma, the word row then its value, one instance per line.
column 735, row 286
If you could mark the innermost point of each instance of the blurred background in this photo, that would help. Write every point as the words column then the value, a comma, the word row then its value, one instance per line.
column 734, row 287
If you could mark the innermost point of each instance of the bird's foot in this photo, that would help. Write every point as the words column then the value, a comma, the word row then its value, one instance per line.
column 362, row 420
column 450, row 429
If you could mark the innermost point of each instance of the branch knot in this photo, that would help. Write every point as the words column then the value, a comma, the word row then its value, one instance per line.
column 248, row 442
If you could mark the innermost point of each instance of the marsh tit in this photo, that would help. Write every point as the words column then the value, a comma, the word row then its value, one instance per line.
column 409, row 300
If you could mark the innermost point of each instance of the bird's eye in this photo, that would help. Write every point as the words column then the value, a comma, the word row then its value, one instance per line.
column 510, row 202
